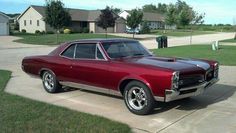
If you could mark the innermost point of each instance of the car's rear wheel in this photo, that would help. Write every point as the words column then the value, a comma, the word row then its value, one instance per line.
column 50, row 82
column 138, row 98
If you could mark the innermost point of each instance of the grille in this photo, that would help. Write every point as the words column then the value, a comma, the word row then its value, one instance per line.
column 188, row 81
column 209, row 75
column 187, row 91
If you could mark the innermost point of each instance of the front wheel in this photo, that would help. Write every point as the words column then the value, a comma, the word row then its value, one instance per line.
column 138, row 98
column 50, row 82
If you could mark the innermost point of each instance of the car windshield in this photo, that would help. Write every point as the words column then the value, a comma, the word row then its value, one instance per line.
column 125, row 49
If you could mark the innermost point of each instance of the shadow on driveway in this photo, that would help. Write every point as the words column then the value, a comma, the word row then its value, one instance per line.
column 215, row 94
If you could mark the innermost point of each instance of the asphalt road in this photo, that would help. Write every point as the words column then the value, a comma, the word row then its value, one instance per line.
column 214, row 111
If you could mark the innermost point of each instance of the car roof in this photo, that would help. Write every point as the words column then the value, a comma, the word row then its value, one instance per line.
column 103, row 40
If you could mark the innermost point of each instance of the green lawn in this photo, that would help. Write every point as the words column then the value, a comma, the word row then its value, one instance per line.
column 50, row 39
column 22, row 115
column 226, row 55
column 180, row 33
column 229, row 40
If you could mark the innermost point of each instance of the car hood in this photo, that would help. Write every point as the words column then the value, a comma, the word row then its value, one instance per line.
column 175, row 64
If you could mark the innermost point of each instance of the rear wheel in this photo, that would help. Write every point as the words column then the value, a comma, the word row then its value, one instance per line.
column 138, row 98
column 50, row 82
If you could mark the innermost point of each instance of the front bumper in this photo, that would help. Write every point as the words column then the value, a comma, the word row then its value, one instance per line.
column 171, row 95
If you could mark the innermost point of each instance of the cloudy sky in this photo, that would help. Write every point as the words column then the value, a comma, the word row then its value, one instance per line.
column 217, row 11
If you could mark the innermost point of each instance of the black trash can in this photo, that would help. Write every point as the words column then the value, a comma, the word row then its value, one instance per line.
column 165, row 41
column 159, row 42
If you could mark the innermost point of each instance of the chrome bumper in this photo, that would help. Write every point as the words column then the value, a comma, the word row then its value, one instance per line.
column 171, row 95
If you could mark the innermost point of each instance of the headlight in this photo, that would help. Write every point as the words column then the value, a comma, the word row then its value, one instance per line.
column 216, row 70
column 175, row 80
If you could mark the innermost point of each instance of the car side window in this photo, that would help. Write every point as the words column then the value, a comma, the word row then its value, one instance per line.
column 85, row 51
column 69, row 52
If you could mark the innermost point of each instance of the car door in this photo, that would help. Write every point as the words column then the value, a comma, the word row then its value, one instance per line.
column 64, row 64
column 90, row 66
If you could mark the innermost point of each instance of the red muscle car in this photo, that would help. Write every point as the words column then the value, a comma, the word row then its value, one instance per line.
column 122, row 67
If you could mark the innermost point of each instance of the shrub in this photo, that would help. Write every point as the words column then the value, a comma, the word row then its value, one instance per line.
column 85, row 30
column 50, row 32
column 80, row 30
column 67, row 31
column 43, row 32
column 91, row 32
column 37, row 32
column 23, row 31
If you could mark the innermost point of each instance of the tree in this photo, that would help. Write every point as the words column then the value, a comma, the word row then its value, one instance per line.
column 149, row 8
column 160, row 8
column 145, row 28
column 234, row 24
column 106, row 19
column 116, row 10
column 134, row 19
column 170, row 17
column 56, row 15
column 185, row 16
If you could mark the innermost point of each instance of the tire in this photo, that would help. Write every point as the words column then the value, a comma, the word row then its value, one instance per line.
column 138, row 98
column 50, row 83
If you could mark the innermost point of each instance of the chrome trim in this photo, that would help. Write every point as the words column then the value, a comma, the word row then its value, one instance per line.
column 91, row 88
column 100, row 49
column 171, row 95
column 76, row 43
column 161, row 99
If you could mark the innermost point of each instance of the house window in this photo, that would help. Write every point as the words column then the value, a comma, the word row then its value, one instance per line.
column 30, row 22
column 37, row 22
column 24, row 22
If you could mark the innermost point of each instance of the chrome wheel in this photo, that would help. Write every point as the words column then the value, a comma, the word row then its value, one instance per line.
column 137, row 98
column 48, row 81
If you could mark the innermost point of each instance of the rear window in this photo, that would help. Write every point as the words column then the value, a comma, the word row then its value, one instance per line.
column 69, row 52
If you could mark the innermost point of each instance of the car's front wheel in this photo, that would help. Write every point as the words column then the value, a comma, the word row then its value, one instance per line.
column 50, row 82
column 138, row 98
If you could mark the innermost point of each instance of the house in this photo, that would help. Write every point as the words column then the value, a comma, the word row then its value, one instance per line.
column 154, row 20
column 32, row 19
column 4, row 24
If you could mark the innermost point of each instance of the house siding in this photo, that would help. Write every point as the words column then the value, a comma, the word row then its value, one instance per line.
column 33, row 16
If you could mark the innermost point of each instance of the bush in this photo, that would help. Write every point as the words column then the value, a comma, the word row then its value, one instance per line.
column 86, row 30
column 43, row 32
column 50, row 32
column 67, row 31
column 91, row 32
column 37, row 32
column 23, row 31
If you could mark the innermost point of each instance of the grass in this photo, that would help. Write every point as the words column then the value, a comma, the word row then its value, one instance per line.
column 226, row 55
column 22, row 115
column 50, row 39
column 180, row 33
column 229, row 40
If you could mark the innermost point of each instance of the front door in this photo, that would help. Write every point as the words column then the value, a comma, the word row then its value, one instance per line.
column 90, row 66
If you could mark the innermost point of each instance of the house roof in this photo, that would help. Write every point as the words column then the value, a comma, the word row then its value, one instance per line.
column 149, row 16
column 76, row 14
column 3, row 14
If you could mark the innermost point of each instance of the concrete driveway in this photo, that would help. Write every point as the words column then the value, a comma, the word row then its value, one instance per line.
column 214, row 111
column 198, row 39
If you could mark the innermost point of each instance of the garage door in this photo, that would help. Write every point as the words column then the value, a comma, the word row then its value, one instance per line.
column 120, row 27
column 3, row 29
column 101, row 30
